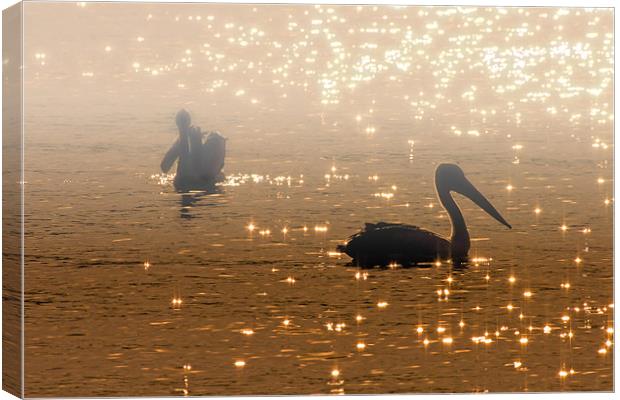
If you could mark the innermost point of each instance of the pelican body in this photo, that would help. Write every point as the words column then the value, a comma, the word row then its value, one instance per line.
column 200, row 156
column 385, row 243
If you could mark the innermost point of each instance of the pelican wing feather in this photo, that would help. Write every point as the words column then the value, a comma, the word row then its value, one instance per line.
column 382, row 243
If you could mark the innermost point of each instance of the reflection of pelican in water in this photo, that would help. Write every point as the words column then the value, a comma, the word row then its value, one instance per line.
column 384, row 243
column 200, row 161
column 190, row 199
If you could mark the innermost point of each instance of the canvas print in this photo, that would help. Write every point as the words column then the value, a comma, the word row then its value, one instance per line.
column 293, row 199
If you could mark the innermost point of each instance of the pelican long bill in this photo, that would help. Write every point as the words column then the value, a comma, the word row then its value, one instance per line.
column 467, row 189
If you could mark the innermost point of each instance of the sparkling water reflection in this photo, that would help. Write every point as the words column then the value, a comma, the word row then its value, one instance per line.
column 336, row 116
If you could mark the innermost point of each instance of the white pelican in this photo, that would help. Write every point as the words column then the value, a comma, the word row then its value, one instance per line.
column 384, row 243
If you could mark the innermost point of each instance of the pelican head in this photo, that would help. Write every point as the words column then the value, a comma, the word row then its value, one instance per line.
column 183, row 119
column 450, row 177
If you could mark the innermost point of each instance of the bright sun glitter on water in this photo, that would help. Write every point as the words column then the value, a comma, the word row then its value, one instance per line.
column 320, row 228
column 263, row 247
column 361, row 276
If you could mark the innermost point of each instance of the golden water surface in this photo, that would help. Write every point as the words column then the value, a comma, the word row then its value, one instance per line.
column 335, row 116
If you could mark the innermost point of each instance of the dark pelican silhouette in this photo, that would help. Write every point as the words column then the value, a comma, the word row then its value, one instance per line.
column 385, row 243
column 200, row 156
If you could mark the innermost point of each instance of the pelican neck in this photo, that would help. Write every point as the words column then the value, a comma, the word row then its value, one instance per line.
column 459, row 237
